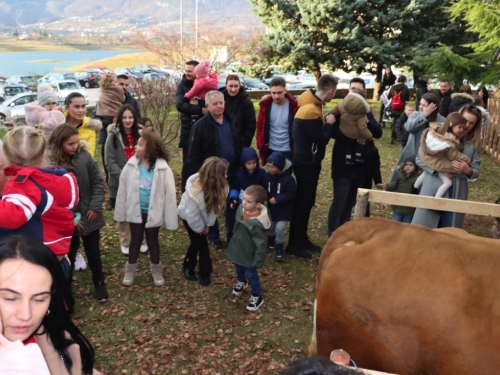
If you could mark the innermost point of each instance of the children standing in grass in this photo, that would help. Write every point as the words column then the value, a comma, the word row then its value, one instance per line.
column 281, row 191
column 67, row 151
column 247, row 249
column 204, row 198
column 146, row 200
column 408, row 174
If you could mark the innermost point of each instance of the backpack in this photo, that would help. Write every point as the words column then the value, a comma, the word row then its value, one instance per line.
column 397, row 103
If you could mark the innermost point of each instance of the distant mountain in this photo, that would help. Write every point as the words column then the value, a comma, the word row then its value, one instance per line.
column 223, row 13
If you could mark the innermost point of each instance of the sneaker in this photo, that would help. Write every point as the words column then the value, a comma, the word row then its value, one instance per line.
column 144, row 248
column 217, row 244
column 157, row 274
column 125, row 250
column 239, row 288
column 254, row 303
column 80, row 262
column 298, row 252
column 271, row 242
column 205, row 280
column 279, row 252
column 100, row 291
column 311, row 246
column 130, row 273
column 189, row 274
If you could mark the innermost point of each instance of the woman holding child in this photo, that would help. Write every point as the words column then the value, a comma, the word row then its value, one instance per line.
column 471, row 140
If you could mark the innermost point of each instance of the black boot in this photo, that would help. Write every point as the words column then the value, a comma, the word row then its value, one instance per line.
column 189, row 274
column 205, row 279
column 111, row 204
column 270, row 242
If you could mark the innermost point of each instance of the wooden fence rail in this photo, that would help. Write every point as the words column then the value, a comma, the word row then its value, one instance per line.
column 420, row 201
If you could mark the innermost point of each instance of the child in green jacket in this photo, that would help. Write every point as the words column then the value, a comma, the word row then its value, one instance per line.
column 247, row 248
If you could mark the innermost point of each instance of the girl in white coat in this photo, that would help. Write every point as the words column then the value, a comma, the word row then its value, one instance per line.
column 146, row 200
column 205, row 196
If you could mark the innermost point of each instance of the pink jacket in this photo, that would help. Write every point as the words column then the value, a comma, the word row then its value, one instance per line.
column 35, row 114
column 203, row 85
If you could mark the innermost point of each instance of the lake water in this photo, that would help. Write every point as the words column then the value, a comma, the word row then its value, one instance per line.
column 19, row 62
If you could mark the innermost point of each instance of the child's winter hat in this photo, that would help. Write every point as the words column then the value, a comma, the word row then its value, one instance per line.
column 45, row 95
column 410, row 158
column 201, row 69
column 277, row 159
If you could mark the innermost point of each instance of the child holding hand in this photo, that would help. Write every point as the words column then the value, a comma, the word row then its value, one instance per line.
column 204, row 81
column 247, row 249
column 439, row 146
column 281, row 191
column 204, row 198
column 146, row 200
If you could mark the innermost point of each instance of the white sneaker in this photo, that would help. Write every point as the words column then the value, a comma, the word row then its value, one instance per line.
column 80, row 262
column 125, row 250
column 144, row 248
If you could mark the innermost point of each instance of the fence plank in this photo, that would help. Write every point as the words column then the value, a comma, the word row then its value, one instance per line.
column 422, row 201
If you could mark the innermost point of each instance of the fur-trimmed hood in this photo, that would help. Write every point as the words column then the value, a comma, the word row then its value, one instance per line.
column 89, row 123
column 356, row 104
column 433, row 143
column 462, row 95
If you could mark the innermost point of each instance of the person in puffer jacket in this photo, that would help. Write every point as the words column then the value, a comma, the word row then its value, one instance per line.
column 204, row 81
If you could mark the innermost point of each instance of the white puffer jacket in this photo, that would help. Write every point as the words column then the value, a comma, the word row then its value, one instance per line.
column 192, row 207
column 162, row 202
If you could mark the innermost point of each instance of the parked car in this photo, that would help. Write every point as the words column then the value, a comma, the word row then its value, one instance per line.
column 10, row 90
column 102, row 69
column 64, row 88
column 146, row 68
column 27, row 80
column 307, row 81
column 57, row 76
column 88, row 79
column 129, row 72
column 15, row 106
column 2, row 82
column 247, row 82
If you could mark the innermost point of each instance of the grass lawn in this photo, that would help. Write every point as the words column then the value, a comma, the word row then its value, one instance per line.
column 183, row 328
column 129, row 59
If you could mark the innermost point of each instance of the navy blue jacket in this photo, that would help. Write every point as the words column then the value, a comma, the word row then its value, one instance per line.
column 357, row 171
column 243, row 179
column 282, row 188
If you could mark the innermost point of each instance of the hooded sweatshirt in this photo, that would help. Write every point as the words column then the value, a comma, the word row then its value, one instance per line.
column 243, row 178
column 282, row 188
column 37, row 203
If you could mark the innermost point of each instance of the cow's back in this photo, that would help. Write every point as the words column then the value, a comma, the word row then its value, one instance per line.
column 406, row 299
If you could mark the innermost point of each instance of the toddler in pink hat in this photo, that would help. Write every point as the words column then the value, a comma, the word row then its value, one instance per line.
column 204, row 81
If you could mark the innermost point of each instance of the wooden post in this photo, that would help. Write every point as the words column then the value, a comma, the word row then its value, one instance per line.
column 361, row 203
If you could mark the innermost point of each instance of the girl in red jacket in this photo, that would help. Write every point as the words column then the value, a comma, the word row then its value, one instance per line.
column 37, row 201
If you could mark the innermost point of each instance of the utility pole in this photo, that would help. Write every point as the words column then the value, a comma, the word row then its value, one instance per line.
column 196, row 32
column 182, row 34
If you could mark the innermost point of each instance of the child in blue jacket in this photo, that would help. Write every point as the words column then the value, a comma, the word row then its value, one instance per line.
column 281, row 190
column 249, row 174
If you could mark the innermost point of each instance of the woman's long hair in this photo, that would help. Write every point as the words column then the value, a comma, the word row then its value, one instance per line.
column 212, row 181
column 57, row 321
column 56, row 154
column 155, row 149
column 119, row 124
column 429, row 97
column 473, row 137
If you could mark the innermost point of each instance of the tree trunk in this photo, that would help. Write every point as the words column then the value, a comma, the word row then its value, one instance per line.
column 378, row 81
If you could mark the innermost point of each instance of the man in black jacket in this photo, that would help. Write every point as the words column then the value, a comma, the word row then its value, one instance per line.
column 215, row 134
column 189, row 113
column 444, row 95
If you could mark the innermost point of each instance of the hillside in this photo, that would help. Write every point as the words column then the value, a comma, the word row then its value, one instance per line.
column 70, row 14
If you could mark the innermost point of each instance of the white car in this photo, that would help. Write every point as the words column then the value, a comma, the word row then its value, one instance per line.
column 14, row 106
column 66, row 87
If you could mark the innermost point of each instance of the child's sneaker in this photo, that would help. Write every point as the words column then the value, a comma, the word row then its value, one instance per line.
column 271, row 242
column 125, row 250
column 239, row 288
column 80, row 262
column 255, row 303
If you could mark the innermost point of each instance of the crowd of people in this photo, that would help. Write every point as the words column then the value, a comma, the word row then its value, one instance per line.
column 54, row 198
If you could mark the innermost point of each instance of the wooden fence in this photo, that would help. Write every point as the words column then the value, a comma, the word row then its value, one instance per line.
column 491, row 136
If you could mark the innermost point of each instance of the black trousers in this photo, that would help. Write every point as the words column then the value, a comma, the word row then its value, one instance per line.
column 185, row 171
column 198, row 245
column 307, row 177
column 136, row 234
column 93, row 252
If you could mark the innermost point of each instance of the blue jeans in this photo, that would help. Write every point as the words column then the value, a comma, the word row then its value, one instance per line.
column 403, row 218
column 344, row 199
column 250, row 274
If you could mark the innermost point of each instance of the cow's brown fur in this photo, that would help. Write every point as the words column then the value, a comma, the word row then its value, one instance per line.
column 409, row 300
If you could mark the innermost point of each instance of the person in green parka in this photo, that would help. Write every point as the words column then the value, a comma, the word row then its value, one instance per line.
column 248, row 245
column 408, row 174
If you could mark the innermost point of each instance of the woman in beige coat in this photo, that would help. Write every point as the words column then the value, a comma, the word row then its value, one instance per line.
column 34, row 304
column 146, row 200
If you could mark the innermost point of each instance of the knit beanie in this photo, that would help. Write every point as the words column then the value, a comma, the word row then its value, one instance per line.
column 410, row 158
column 277, row 159
column 45, row 94
column 201, row 69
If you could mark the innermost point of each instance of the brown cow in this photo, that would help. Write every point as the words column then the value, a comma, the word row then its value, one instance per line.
column 406, row 299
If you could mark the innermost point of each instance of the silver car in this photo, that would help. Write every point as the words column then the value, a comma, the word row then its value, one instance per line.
column 15, row 106
column 66, row 87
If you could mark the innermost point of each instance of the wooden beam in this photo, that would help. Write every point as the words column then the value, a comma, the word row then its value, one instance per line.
column 430, row 203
